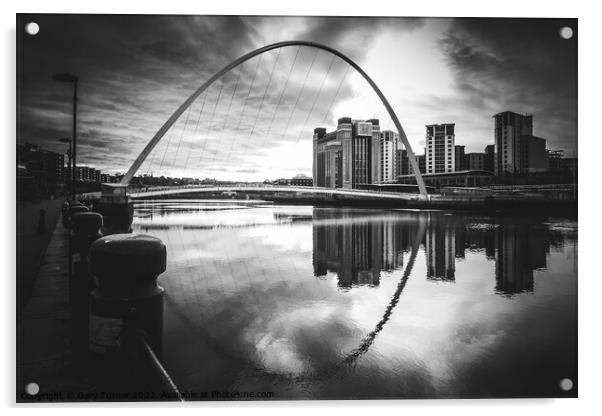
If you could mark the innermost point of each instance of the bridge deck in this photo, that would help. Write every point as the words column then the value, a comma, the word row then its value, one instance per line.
column 292, row 190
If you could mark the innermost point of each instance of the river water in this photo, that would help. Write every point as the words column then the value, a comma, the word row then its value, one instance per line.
column 295, row 302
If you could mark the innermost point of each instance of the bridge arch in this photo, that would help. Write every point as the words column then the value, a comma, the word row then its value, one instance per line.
column 174, row 117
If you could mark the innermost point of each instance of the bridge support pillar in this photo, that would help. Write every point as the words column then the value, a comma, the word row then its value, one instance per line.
column 115, row 206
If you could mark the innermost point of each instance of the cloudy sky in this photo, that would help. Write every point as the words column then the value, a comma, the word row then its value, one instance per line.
column 257, row 122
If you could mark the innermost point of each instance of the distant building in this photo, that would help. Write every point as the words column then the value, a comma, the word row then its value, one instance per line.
column 473, row 161
column 440, row 141
column 536, row 158
column 421, row 160
column 489, row 157
column 555, row 160
column 301, row 180
column 402, row 164
column 282, row 182
column 517, row 151
column 570, row 165
column 476, row 161
column 105, row 178
column 559, row 166
column 348, row 156
column 463, row 178
column 389, row 145
column 509, row 129
column 404, row 167
column 44, row 167
column 460, row 158
column 82, row 173
column 88, row 174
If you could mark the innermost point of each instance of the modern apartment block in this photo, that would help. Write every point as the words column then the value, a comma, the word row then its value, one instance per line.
column 402, row 163
column 44, row 168
column 348, row 156
column 88, row 174
column 536, row 157
column 489, row 157
column 105, row 178
column 44, row 163
column 421, row 159
column 389, row 146
column 517, row 151
column 476, row 161
column 460, row 162
column 440, row 141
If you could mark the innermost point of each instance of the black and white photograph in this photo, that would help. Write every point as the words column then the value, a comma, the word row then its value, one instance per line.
column 295, row 207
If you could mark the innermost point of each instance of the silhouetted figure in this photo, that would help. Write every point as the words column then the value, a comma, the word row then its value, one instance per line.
column 42, row 222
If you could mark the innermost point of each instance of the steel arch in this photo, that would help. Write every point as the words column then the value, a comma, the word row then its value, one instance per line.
column 174, row 117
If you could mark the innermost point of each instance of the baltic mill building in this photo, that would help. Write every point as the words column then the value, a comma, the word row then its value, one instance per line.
column 349, row 156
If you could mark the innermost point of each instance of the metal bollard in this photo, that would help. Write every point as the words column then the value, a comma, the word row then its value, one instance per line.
column 74, row 209
column 126, row 268
column 86, row 228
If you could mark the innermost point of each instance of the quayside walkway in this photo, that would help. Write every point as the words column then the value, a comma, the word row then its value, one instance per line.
column 44, row 353
column 83, row 338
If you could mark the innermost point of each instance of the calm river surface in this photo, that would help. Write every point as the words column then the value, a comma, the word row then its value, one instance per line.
column 310, row 302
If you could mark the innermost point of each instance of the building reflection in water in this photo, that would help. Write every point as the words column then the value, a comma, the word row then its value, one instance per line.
column 359, row 246
column 520, row 249
column 350, row 248
column 441, row 250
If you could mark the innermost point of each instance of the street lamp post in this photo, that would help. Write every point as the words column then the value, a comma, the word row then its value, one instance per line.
column 66, row 77
column 70, row 178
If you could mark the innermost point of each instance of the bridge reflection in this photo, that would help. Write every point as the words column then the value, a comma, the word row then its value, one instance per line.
column 277, row 290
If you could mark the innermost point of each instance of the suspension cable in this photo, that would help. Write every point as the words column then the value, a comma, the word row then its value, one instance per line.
column 300, row 92
column 181, row 136
column 219, row 95
column 280, row 98
column 263, row 97
column 228, row 111
column 195, row 129
column 336, row 95
column 171, row 133
column 313, row 105
column 242, row 112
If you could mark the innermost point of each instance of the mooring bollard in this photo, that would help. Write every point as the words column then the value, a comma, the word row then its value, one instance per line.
column 73, row 209
column 125, row 268
column 86, row 228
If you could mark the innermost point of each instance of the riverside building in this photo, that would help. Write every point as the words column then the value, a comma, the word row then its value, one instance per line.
column 349, row 156
column 440, row 141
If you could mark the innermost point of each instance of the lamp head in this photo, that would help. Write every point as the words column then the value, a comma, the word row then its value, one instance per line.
column 66, row 77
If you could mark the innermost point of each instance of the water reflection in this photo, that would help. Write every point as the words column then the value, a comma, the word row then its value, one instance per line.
column 332, row 302
column 358, row 248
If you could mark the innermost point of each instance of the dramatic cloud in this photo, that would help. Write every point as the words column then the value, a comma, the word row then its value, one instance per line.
column 257, row 121
column 521, row 65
